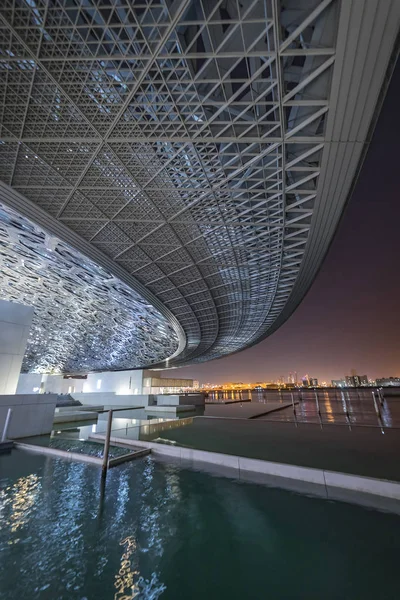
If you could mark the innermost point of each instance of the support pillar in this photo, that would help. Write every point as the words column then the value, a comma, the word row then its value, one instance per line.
column 15, row 323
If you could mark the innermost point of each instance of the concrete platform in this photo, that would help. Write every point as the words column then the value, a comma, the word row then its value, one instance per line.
column 247, row 410
column 219, row 402
column 373, row 492
column 74, row 416
column 180, row 399
column 364, row 450
column 81, row 456
column 171, row 410
column 88, row 407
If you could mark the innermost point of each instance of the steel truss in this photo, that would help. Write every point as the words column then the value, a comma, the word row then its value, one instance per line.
column 186, row 140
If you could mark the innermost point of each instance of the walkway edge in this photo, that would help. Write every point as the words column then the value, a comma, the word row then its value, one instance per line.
column 6, row 446
column 56, row 452
column 329, row 482
column 118, row 460
column 272, row 410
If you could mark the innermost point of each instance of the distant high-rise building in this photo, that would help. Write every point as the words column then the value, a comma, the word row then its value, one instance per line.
column 355, row 380
column 313, row 381
column 338, row 383
column 388, row 381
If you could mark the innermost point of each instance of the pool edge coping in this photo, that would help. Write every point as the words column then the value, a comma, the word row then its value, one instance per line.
column 331, row 481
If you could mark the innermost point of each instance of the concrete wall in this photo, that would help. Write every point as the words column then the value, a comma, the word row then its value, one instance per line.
column 112, row 399
column 151, row 381
column 73, row 386
column 29, row 383
column 52, row 384
column 56, row 384
column 15, row 322
column 121, row 382
column 118, row 382
column 32, row 414
column 175, row 400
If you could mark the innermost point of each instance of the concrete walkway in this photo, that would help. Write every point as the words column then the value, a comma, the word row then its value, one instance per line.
column 247, row 410
column 373, row 492
column 363, row 451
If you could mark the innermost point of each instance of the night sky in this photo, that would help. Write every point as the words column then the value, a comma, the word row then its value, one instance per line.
column 350, row 318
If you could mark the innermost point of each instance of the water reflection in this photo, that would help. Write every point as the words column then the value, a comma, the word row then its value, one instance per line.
column 168, row 532
column 354, row 407
column 66, row 550
column 16, row 502
column 125, row 579
column 137, row 429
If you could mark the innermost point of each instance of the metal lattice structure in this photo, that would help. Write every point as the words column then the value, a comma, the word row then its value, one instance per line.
column 84, row 318
column 193, row 147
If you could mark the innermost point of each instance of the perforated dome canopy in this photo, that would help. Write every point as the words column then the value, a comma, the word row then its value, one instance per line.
column 199, row 151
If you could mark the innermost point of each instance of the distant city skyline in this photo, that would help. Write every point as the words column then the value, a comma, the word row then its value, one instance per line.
column 352, row 379
column 350, row 318
column 226, row 374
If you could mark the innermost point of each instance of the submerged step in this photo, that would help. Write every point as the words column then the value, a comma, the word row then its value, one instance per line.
column 6, row 446
column 358, row 489
column 81, row 456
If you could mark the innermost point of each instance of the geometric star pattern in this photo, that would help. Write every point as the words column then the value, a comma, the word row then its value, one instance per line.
column 186, row 143
column 84, row 318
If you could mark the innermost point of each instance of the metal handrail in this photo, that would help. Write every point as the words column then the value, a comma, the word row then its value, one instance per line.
column 6, row 425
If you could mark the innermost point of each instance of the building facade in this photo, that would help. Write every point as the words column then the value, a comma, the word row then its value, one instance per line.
column 356, row 380
column 338, row 383
column 119, row 383
column 388, row 381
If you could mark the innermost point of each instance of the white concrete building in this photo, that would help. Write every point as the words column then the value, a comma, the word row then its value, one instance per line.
column 118, row 383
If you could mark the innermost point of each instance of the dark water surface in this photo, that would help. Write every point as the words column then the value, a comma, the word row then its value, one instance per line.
column 170, row 533
column 354, row 407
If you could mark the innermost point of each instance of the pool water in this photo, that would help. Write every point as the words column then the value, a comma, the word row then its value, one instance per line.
column 166, row 532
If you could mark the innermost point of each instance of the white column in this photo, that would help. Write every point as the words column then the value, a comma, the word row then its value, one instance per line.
column 15, row 322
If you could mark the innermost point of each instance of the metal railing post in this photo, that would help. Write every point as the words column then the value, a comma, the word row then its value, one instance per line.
column 107, row 444
column 294, row 409
column 381, row 396
column 318, row 408
column 317, row 402
column 378, row 411
column 376, row 405
column 346, row 410
column 6, row 425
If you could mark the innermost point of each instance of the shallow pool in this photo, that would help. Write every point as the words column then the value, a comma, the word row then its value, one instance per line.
column 171, row 533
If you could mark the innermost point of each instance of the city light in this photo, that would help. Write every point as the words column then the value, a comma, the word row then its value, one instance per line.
column 306, row 381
